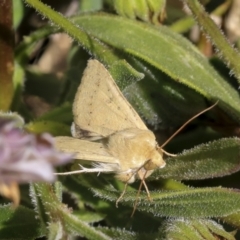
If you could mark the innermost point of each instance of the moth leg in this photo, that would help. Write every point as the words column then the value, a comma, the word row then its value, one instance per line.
column 122, row 194
column 142, row 177
column 125, row 188
column 146, row 188
column 169, row 154
column 142, row 173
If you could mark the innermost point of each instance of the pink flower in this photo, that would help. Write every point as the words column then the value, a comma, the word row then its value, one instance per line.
column 26, row 157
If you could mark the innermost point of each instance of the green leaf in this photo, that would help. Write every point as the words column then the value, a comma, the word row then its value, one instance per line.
column 55, row 231
column 189, row 203
column 78, row 188
column 171, row 54
column 42, row 85
column 61, row 114
column 219, row 231
column 20, row 223
column 89, row 217
column 123, row 234
column 58, row 189
column 215, row 159
column 58, row 212
column 230, row 55
column 146, row 10
column 90, row 5
column 233, row 219
column 183, row 25
column 24, row 50
column 157, row 97
column 18, row 83
column 54, row 128
column 125, row 9
column 18, row 12
column 124, row 74
column 194, row 230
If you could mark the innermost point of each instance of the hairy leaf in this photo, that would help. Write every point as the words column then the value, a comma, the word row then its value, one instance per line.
column 47, row 200
column 215, row 159
column 19, row 223
column 171, row 53
column 194, row 229
column 189, row 203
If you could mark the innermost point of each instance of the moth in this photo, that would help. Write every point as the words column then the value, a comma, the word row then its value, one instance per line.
column 108, row 132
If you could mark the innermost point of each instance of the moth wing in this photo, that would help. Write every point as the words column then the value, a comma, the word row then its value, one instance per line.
column 100, row 108
column 84, row 150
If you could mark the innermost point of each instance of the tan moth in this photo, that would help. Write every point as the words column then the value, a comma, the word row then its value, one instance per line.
column 108, row 132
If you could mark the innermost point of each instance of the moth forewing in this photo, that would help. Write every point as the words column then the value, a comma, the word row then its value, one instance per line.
column 89, row 151
column 84, row 150
column 99, row 107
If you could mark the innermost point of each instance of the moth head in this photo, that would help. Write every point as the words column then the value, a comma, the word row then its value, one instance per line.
column 155, row 160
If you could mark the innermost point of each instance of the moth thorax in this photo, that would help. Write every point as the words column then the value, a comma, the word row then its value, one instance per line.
column 133, row 147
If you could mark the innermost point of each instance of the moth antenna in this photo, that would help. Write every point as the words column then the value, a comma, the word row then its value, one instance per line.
column 187, row 122
column 85, row 170
column 168, row 154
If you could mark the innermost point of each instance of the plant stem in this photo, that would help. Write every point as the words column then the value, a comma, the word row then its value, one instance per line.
column 6, row 54
column 229, row 54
